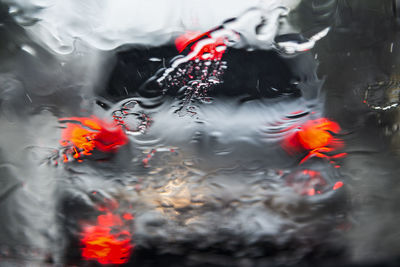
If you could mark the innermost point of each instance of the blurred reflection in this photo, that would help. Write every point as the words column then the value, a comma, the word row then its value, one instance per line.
column 224, row 133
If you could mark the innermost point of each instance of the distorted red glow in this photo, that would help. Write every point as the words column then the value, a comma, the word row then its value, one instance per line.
column 296, row 112
column 307, row 182
column 107, row 204
column 127, row 216
column 315, row 181
column 310, row 182
column 84, row 135
column 315, row 137
column 337, row 185
column 183, row 40
column 311, row 192
column 205, row 46
column 316, row 134
column 109, row 240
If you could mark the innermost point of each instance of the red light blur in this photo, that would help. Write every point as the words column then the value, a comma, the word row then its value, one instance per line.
column 84, row 135
column 205, row 46
column 338, row 185
column 315, row 134
column 310, row 182
column 316, row 137
column 187, row 38
column 108, row 241
column 127, row 216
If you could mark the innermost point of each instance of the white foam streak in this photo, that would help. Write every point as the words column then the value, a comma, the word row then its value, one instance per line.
column 108, row 24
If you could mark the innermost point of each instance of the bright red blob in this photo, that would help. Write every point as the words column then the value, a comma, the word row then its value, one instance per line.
column 338, row 185
column 316, row 137
column 108, row 241
column 311, row 192
column 127, row 216
column 205, row 46
column 84, row 135
column 187, row 38
column 317, row 133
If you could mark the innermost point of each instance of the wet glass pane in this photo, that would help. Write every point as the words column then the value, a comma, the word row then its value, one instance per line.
column 199, row 133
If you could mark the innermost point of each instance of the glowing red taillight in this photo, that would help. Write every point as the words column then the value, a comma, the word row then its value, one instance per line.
column 108, row 240
column 84, row 135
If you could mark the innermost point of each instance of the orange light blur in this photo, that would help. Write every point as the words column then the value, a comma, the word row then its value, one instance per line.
column 83, row 135
column 316, row 134
column 311, row 192
column 108, row 241
column 337, row 185
column 316, row 137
